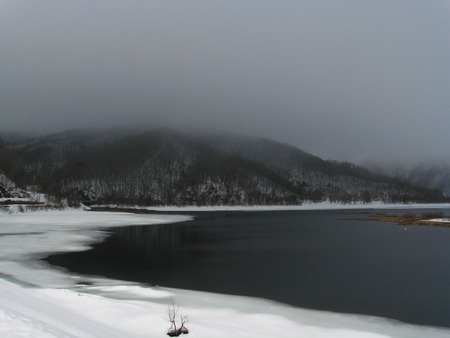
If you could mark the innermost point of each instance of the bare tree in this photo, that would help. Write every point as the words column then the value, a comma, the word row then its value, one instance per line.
column 172, row 312
column 183, row 329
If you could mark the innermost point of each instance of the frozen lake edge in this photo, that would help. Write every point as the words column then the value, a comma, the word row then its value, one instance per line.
column 145, row 308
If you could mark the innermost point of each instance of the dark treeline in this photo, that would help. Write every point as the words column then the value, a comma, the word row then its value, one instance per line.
column 165, row 167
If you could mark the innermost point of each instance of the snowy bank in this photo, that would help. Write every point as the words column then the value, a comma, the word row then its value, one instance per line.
column 304, row 206
column 70, row 305
column 67, row 313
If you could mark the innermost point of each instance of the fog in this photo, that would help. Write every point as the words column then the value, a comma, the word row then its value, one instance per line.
column 345, row 80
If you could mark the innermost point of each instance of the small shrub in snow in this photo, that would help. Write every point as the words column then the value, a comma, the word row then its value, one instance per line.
column 176, row 326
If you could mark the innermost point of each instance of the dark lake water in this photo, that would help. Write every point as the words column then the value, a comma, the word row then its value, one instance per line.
column 310, row 259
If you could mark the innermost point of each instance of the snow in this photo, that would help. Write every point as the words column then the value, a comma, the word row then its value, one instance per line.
column 37, row 300
column 67, row 313
column 304, row 206
column 27, row 237
column 440, row 220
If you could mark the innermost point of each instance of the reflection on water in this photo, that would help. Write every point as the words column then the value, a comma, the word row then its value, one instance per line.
column 313, row 259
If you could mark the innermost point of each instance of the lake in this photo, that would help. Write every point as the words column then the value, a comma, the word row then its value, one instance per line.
column 311, row 259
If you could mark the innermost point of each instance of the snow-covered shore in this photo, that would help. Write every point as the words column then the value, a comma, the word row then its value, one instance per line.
column 27, row 237
column 304, row 206
column 68, row 313
column 60, row 304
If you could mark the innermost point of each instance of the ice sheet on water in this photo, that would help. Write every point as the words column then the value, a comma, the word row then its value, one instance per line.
column 27, row 237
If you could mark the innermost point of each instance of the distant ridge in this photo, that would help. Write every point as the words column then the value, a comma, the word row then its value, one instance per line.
column 434, row 174
column 167, row 167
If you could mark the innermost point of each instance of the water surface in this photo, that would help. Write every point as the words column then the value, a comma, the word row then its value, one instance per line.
column 311, row 259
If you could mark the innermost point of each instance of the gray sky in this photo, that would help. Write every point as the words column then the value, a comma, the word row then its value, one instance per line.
column 346, row 80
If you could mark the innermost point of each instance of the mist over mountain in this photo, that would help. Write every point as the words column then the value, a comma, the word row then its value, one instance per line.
column 345, row 80
column 434, row 174
column 168, row 167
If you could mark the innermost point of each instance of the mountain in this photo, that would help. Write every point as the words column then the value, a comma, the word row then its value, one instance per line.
column 9, row 175
column 160, row 167
column 431, row 174
column 9, row 190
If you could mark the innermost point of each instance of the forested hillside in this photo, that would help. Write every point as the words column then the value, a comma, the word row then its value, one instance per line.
column 168, row 167
column 430, row 174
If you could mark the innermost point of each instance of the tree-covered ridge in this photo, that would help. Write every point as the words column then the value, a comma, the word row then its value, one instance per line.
column 161, row 167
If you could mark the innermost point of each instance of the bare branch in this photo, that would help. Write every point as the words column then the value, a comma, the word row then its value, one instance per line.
column 172, row 312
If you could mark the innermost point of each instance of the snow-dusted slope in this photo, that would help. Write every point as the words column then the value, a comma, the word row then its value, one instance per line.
column 162, row 167
column 431, row 174
column 9, row 190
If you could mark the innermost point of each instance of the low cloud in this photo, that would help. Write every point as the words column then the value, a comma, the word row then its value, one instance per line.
column 345, row 80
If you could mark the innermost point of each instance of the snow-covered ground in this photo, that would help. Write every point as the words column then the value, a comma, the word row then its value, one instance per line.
column 67, row 313
column 304, row 206
column 37, row 300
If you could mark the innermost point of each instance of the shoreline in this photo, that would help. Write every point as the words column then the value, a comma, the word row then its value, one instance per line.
column 211, row 314
column 110, row 312
column 305, row 206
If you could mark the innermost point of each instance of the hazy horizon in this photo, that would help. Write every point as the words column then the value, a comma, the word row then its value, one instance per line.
column 345, row 80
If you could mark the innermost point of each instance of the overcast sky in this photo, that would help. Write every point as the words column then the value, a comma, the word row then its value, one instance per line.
column 346, row 80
